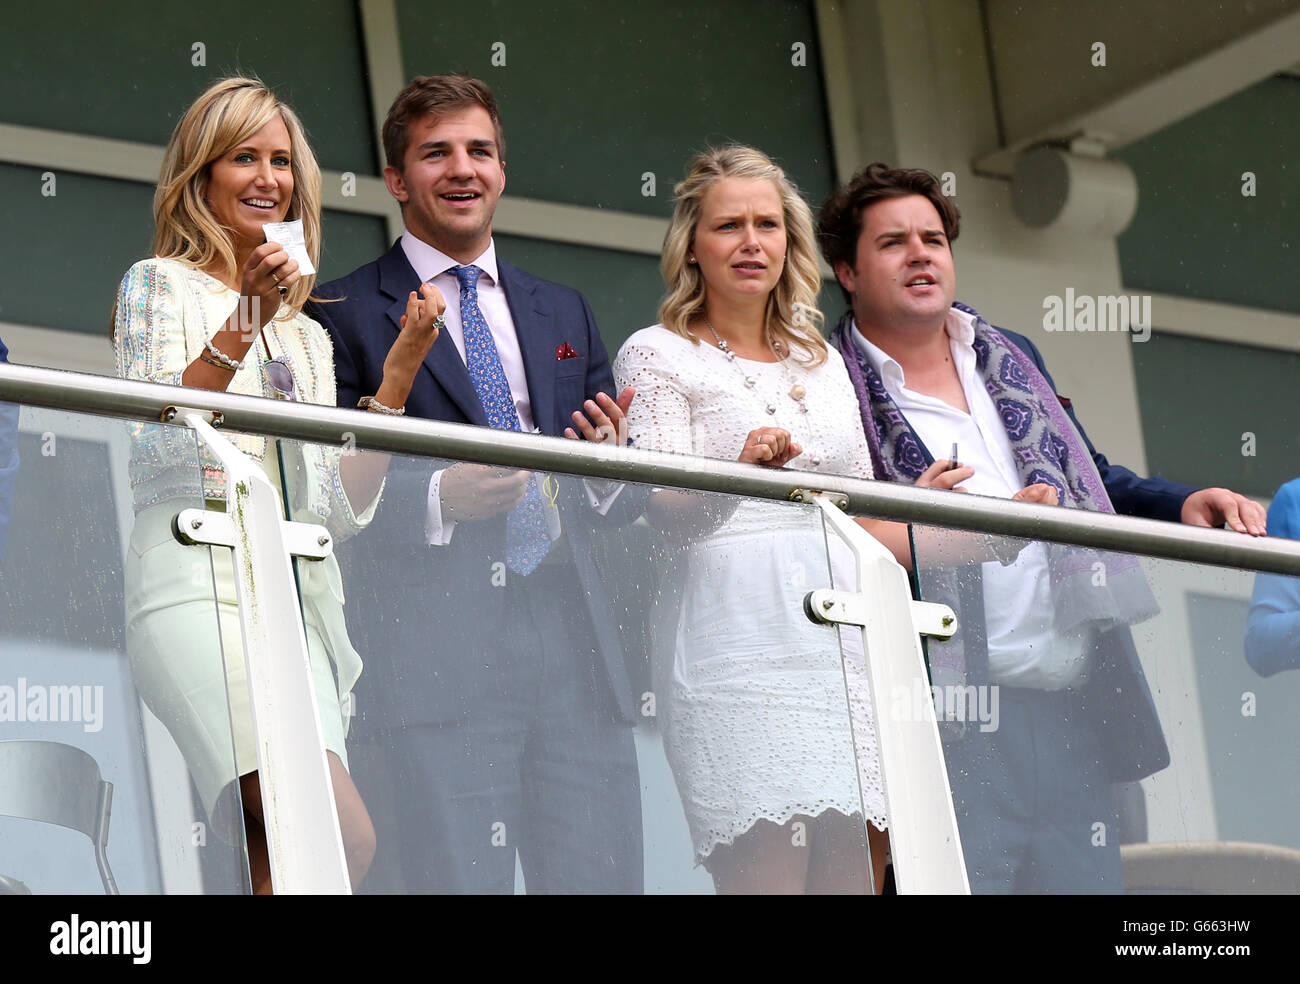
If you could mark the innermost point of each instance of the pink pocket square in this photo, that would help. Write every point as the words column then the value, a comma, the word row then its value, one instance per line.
column 565, row 351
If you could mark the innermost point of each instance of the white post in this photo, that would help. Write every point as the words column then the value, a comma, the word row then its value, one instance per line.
column 923, row 838
column 302, row 824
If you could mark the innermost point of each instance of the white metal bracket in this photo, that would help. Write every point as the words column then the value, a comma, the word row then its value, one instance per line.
column 837, row 499
column 828, row 605
column 934, row 620
column 214, row 417
column 309, row 541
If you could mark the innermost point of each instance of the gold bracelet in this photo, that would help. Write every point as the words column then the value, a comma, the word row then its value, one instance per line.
column 214, row 362
column 234, row 365
column 370, row 403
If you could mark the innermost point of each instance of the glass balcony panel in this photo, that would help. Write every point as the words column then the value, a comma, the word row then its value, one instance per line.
column 111, row 664
column 1103, row 726
column 572, row 699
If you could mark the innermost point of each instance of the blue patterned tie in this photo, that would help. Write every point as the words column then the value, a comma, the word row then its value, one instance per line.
column 527, row 539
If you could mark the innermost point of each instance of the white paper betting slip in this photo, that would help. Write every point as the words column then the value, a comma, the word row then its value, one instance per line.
column 289, row 236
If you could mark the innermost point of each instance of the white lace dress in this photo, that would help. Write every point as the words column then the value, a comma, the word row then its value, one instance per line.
column 751, row 695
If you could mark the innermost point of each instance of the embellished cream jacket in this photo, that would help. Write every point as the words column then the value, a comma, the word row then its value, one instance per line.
column 166, row 312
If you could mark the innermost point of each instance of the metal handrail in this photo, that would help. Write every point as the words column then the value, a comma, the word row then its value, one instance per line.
column 84, row 393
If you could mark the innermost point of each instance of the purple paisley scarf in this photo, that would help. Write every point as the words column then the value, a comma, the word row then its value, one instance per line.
column 1047, row 448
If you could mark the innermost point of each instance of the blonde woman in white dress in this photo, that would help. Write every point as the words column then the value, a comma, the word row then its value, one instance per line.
column 220, row 308
column 753, row 701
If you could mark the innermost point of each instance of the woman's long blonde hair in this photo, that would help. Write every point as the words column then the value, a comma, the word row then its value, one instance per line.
column 225, row 116
column 792, row 315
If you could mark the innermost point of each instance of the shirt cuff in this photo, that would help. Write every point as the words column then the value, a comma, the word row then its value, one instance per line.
column 437, row 530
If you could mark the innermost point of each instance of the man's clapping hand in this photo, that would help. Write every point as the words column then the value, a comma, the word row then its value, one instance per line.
column 604, row 420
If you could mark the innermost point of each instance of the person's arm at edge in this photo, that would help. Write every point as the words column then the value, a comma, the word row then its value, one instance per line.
column 1272, row 640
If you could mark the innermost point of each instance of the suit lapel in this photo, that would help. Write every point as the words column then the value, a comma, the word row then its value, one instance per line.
column 535, row 329
column 396, row 280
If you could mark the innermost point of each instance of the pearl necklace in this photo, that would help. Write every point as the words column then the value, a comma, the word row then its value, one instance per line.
column 797, row 391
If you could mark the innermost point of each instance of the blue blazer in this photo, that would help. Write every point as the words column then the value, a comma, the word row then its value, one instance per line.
column 1117, row 698
column 421, row 616
column 1130, row 494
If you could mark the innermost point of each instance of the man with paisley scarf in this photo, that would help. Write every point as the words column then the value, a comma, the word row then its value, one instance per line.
column 1034, row 796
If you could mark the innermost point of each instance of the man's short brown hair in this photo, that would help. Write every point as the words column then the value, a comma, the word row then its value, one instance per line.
column 435, row 95
column 840, row 222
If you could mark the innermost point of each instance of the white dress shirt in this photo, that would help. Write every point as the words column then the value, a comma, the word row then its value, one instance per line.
column 1025, row 650
column 435, row 267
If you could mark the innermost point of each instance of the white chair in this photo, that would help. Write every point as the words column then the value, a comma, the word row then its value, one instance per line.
column 50, row 782
column 1215, row 868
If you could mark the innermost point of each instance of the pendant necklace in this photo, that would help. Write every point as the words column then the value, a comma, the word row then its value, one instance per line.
column 797, row 392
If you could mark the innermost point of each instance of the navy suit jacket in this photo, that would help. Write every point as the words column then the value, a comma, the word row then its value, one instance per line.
column 422, row 617
column 1116, row 697
column 1130, row 494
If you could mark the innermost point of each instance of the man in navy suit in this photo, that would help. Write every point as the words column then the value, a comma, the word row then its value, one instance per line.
column 493, row 672
column 1032, row 790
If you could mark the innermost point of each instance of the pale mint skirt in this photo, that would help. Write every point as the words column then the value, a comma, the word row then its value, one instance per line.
column 187, row 656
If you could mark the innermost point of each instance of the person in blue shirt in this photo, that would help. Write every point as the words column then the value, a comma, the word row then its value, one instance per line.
column 8, row 459
column 1273, row 629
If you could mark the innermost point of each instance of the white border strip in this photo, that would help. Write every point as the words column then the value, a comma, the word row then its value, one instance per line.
column 1228, row 323
column 923, row 838
column 56, row 348
column 124, row 160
